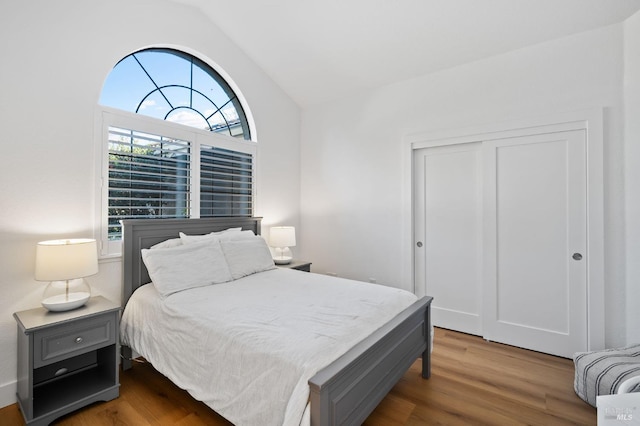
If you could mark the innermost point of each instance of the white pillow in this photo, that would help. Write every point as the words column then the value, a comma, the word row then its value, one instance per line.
column 247, row 256
column 188, row 239
column 242, row 235
column 186, row 266
column 173, row 242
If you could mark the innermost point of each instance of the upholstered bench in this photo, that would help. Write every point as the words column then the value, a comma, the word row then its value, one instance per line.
column 603, row 372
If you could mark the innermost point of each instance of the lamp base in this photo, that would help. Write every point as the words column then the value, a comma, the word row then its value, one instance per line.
column 282, row 260
column 60, row 296
column 63, row 302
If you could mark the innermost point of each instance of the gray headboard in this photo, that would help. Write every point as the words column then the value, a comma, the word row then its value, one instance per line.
column 138, row 234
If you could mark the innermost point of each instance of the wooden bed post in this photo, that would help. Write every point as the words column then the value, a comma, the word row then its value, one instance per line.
column 126, row 355
column 426, row 355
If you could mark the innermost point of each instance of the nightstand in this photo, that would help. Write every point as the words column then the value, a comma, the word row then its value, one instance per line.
column 66, row 360
column 300, row 265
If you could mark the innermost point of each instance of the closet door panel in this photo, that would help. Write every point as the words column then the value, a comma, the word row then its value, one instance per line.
column 535, row 221
column 448, row 235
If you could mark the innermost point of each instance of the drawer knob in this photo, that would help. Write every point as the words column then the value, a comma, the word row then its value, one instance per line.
column 78, row 339
column 60, row 372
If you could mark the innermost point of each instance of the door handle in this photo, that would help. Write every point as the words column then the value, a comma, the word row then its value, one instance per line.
column 577, row 256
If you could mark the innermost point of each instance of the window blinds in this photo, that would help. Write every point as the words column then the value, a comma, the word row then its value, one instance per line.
column 226, row 182
column 149, row 177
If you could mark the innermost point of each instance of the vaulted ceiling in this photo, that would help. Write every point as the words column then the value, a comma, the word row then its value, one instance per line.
column 319, row 51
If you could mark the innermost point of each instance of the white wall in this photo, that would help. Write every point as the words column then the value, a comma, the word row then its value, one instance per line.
column 54, row 59
column 353, row 207
column 632, row 171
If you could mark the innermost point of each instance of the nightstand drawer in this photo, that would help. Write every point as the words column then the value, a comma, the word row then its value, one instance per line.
column 66, row 366
column 65, row 340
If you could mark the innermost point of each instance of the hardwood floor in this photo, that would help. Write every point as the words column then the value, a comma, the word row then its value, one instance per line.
column 473, row 382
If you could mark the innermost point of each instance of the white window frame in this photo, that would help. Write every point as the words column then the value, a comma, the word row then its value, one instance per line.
column 106, row 117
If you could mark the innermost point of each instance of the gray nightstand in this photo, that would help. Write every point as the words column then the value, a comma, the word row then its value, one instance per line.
column 66, row 360
column 300, row 265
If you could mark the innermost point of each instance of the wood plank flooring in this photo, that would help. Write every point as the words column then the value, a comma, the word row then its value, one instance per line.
column 473, row 382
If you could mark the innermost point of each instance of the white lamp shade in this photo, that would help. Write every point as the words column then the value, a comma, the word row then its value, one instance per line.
column 282, row 236
column 58, row 260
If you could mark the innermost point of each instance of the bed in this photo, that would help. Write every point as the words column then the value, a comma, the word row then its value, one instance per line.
column 344, row 390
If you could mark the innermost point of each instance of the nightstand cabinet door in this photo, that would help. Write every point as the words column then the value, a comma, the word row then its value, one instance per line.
column 66, row 360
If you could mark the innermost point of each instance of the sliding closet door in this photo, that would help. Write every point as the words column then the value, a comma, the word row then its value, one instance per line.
column 448, row 233
column 535, row 242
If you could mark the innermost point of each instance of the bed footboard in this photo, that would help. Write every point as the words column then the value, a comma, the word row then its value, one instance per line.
column 349, row 389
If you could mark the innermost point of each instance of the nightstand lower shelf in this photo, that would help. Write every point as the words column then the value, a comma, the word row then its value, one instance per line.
column 95, row 381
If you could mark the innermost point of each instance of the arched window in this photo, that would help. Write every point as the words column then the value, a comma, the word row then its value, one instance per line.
column 175, row 86
column 190, row 156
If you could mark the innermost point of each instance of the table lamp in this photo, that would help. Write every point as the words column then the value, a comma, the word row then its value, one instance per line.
column 281, row 238
column 65, row 263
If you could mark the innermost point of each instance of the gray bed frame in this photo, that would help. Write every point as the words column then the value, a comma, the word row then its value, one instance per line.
column 346, row 391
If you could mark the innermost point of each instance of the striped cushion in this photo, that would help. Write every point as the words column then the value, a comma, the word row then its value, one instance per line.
column 601, row 372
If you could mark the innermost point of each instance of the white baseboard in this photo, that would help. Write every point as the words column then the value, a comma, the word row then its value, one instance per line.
column 8, row 393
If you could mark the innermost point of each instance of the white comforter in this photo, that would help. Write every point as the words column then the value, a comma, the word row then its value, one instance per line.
column 247, row 348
